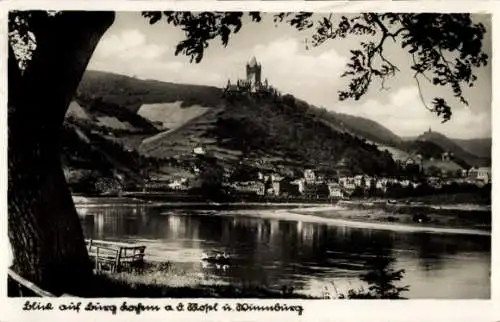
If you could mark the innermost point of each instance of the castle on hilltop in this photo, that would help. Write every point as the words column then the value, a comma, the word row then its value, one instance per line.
column 253, row 83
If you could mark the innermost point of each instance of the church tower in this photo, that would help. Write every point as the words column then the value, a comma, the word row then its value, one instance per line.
column 254, row 72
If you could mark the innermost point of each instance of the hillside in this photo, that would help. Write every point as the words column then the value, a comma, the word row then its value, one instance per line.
column 165, row 121
column 99, row 144
column 89, row 157
column 169, row 106
column 141, row 96
column 276, row 130
column 132, row 93
column 479, row 147
column 450, row 145
column 368, row 129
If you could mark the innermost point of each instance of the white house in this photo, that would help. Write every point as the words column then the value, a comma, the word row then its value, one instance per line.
column 348, row 183
column 309, row 175
column 256, row 187
column 178, row 184
column 300, row 183
column 359, row 180
column 405, row 183
column 381, row 184
column 335, row 190
column 199, row 150
column 484, row 174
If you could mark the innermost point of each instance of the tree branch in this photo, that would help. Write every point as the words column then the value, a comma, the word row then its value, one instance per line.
column 415, row 76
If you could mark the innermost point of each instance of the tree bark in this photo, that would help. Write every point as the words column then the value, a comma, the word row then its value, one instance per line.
column 43, row 227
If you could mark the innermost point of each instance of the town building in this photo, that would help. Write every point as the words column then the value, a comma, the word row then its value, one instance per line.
column 483, row 174
column 269, row 176
column 446, row 156
column 435, row 182
column 309, row 176
column 342, row 168
column 405, row 183
column 285, row 187
column 249, row 187
column 162, row 182
column 381, row 184
column 413, row 160
column 348, row 183
column 316, row 190
column 199, row 150
column 178, row 184
column 359, row 181
column 300, row 183
column 335, row 190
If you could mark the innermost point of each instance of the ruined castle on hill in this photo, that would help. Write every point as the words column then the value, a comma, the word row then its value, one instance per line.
column 253, row 83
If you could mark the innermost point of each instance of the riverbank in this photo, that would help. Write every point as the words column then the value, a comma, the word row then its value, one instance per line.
column 371, row 214
column 84, row 201
column 402, row 217
column 162, row 280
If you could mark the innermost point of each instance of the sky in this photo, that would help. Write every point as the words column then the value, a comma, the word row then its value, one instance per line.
column 133, row 47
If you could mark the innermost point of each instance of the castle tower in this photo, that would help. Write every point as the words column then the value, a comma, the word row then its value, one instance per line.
column 254, row 72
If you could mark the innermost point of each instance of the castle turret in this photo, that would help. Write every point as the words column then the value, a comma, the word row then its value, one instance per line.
column 254, row 72
column 253, row 81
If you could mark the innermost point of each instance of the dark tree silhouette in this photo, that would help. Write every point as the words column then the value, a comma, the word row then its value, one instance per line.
column 381, row 278
column 53, row 50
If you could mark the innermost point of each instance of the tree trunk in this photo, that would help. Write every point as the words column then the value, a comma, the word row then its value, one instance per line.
column 43, row 227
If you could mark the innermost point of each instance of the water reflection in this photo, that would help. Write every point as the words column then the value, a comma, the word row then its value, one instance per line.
column 304, row 255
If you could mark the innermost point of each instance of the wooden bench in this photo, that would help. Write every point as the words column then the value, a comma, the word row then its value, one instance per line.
column 115, row 256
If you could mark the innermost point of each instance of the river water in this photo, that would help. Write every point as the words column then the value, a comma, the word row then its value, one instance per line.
column 312, row 257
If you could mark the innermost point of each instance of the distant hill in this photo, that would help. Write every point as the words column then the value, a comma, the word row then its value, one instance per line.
column 427, row 149
column 450, row 145
column 368, row 129
column 432, row 154
column 479, row 147
column 132, row 93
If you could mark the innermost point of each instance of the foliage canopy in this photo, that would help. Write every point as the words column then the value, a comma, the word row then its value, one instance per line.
column 445, row 49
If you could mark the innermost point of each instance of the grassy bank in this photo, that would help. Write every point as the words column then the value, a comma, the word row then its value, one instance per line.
column 164, row 280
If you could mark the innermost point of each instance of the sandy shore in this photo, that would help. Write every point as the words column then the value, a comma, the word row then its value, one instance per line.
column 352, row 218
column 376, row 218
column 336, row 216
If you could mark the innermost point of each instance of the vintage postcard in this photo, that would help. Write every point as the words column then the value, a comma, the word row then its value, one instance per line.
column 248, row 161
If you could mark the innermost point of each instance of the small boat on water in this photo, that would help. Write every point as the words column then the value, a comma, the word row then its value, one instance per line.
column 220, row 258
